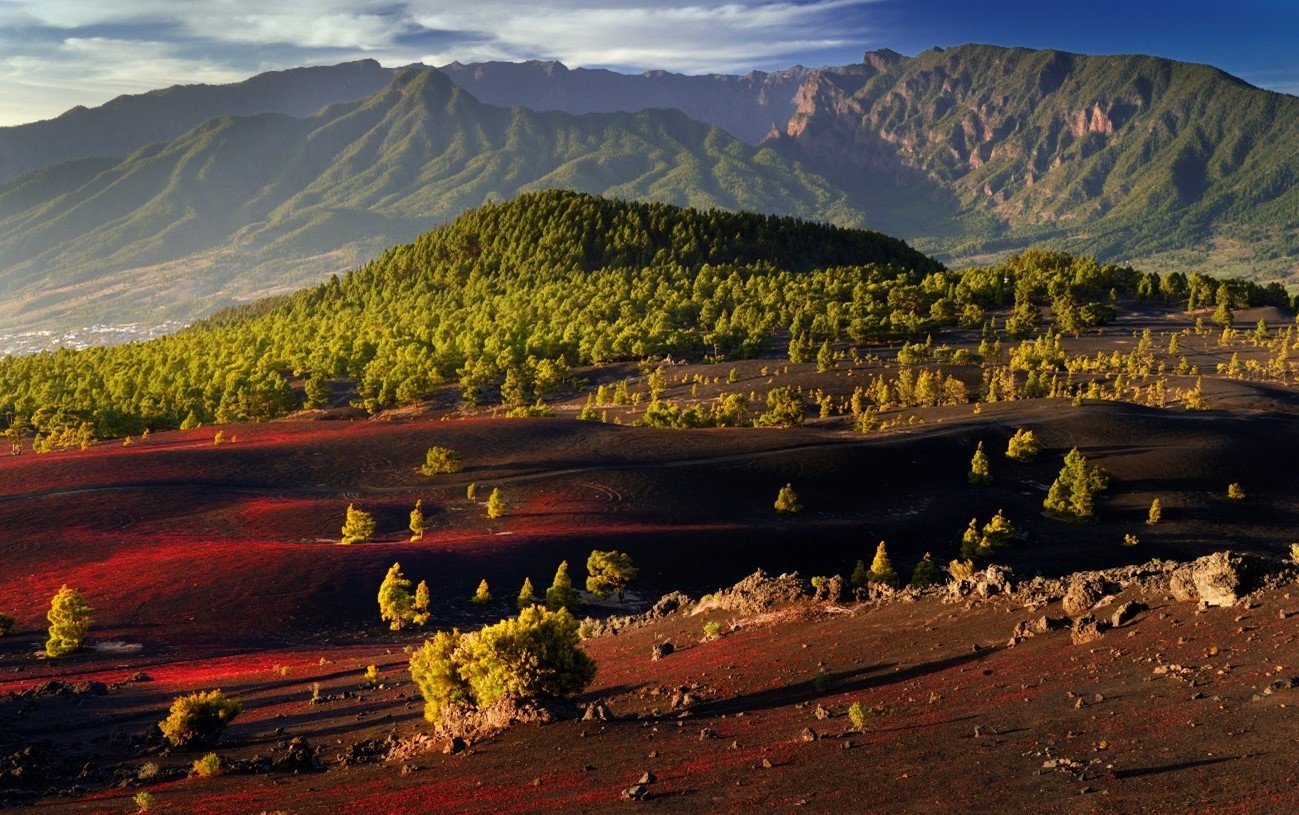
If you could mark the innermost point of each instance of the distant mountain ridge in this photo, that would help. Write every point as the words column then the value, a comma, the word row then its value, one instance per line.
column 968, row 153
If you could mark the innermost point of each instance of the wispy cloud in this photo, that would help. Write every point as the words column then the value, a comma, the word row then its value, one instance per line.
column 58, row 53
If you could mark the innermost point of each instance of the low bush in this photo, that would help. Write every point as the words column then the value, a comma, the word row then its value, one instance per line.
column 198, row 719
column 209, row 766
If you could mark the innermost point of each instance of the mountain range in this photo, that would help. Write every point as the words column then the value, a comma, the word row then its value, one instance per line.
column 170, row 204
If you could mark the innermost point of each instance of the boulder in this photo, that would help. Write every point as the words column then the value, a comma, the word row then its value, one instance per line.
column 1087, row 629
column 1082, row 594
column 831, row 590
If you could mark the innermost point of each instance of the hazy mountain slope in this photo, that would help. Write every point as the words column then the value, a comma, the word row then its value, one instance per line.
column 748, row 107
column 245, row 206
column 1118, row 156
column 130, row 122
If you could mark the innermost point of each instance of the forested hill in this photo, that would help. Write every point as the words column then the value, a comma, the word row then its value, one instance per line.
column 506, row 298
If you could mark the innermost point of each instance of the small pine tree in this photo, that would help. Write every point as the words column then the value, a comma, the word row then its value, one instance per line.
column 979, row 474
column 1235, row 491
column 1072, row 494
column 69, row 617
column 527, row 597
column 417, row 521
column 420, row 604
column 198, row 719
column 358, row 527
column 496, row 507
column 787, row 501
column 926, row 573
column 1155, row 514
column 396, row 605
column 825, row 358
column 882, row 570
column 561, row 593
column 860, row 574
column 471, row 492
column 483, row 595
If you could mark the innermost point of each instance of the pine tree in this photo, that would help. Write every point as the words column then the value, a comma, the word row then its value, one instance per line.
column 561, row 593
column 882, row 570
column 1023, row 446
column 1072, row 494
column 787, row 501
column 358, row 527
column 825, row 358
column 441, row 461
column 483, row 595
column 609, row 571
column 860, row 574
column 1156, row 512
column 496, row 504
column 417, row 521
column 420, row 604
column 926, row 573
column 979, row 474
column 396, row 605
column 69, row 617
column 527, row 597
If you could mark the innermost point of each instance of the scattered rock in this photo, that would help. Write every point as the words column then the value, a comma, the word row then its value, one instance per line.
column 1087, row 629
column 661, row 649
column 1044, row 624
column 1084, row 591
column 647, row 777
column 808, row 734
column 638, row 792
column 1126, row 612
column 766, row 764
column 596, row 711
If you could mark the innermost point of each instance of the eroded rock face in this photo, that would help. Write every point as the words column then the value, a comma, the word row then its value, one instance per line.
column 830, row 590
column 1087, row 629
column 760, row 592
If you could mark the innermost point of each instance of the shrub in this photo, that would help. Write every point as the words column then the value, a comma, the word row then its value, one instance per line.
column 417, row 521
column 6, row 624
column 144, row 800
column 979, row 475
column 358, row 527
column 1235, row 492
column 712, row 630
column 784, row 408
column 198, row 719
column 961, row 569
column 1294, row 553
column 1131, row 540
column 471, row 492
column 209, row 766
column 147, row 772
column 441, row 461
column 370, row 678
column 996, row 534
column 527, row 595
column 609, row 571
column 787, row 501
column 69, row 617
column 1023, row 446
column 859, row 715
column 533, row 656
column 1156, row 512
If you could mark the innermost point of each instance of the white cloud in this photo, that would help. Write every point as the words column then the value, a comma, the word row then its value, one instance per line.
column 58, row 53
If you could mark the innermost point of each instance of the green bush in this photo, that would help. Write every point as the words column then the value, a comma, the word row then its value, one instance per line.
column 208, row 766
column 198, row 719
column 534, row 655
column 441, row 460
column 859, row 715
column 1023, row 446
column 69, row 617
column 358, row 527
column 712, row 630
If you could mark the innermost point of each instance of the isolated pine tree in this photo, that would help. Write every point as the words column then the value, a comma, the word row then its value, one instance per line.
column 787, row 501
column 1072, row 494
column 882, row 570
column 496, row 507
column 1156, row 512
column 69, row 617
column 417, row 521
column 1023, row 446
column 979, row 474
column 441, row 460
column 609, row 571
column 483, row 595
column 396, row 606
column 561, row 593
column 860, row 574
column 358, row 527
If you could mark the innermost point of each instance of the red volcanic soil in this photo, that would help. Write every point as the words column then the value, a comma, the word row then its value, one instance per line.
column 218, row 566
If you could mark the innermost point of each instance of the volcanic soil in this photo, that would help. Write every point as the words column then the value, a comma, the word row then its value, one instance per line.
column 218, row 566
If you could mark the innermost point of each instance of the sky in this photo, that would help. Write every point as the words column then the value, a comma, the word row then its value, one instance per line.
column 56, row 54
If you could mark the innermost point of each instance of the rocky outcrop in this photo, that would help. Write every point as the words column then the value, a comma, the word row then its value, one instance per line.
column 1220, row 579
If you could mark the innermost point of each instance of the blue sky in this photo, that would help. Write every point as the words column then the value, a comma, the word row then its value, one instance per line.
column 55, row 54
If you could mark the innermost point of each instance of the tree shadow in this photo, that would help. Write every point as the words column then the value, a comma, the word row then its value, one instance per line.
column 1139, row 772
